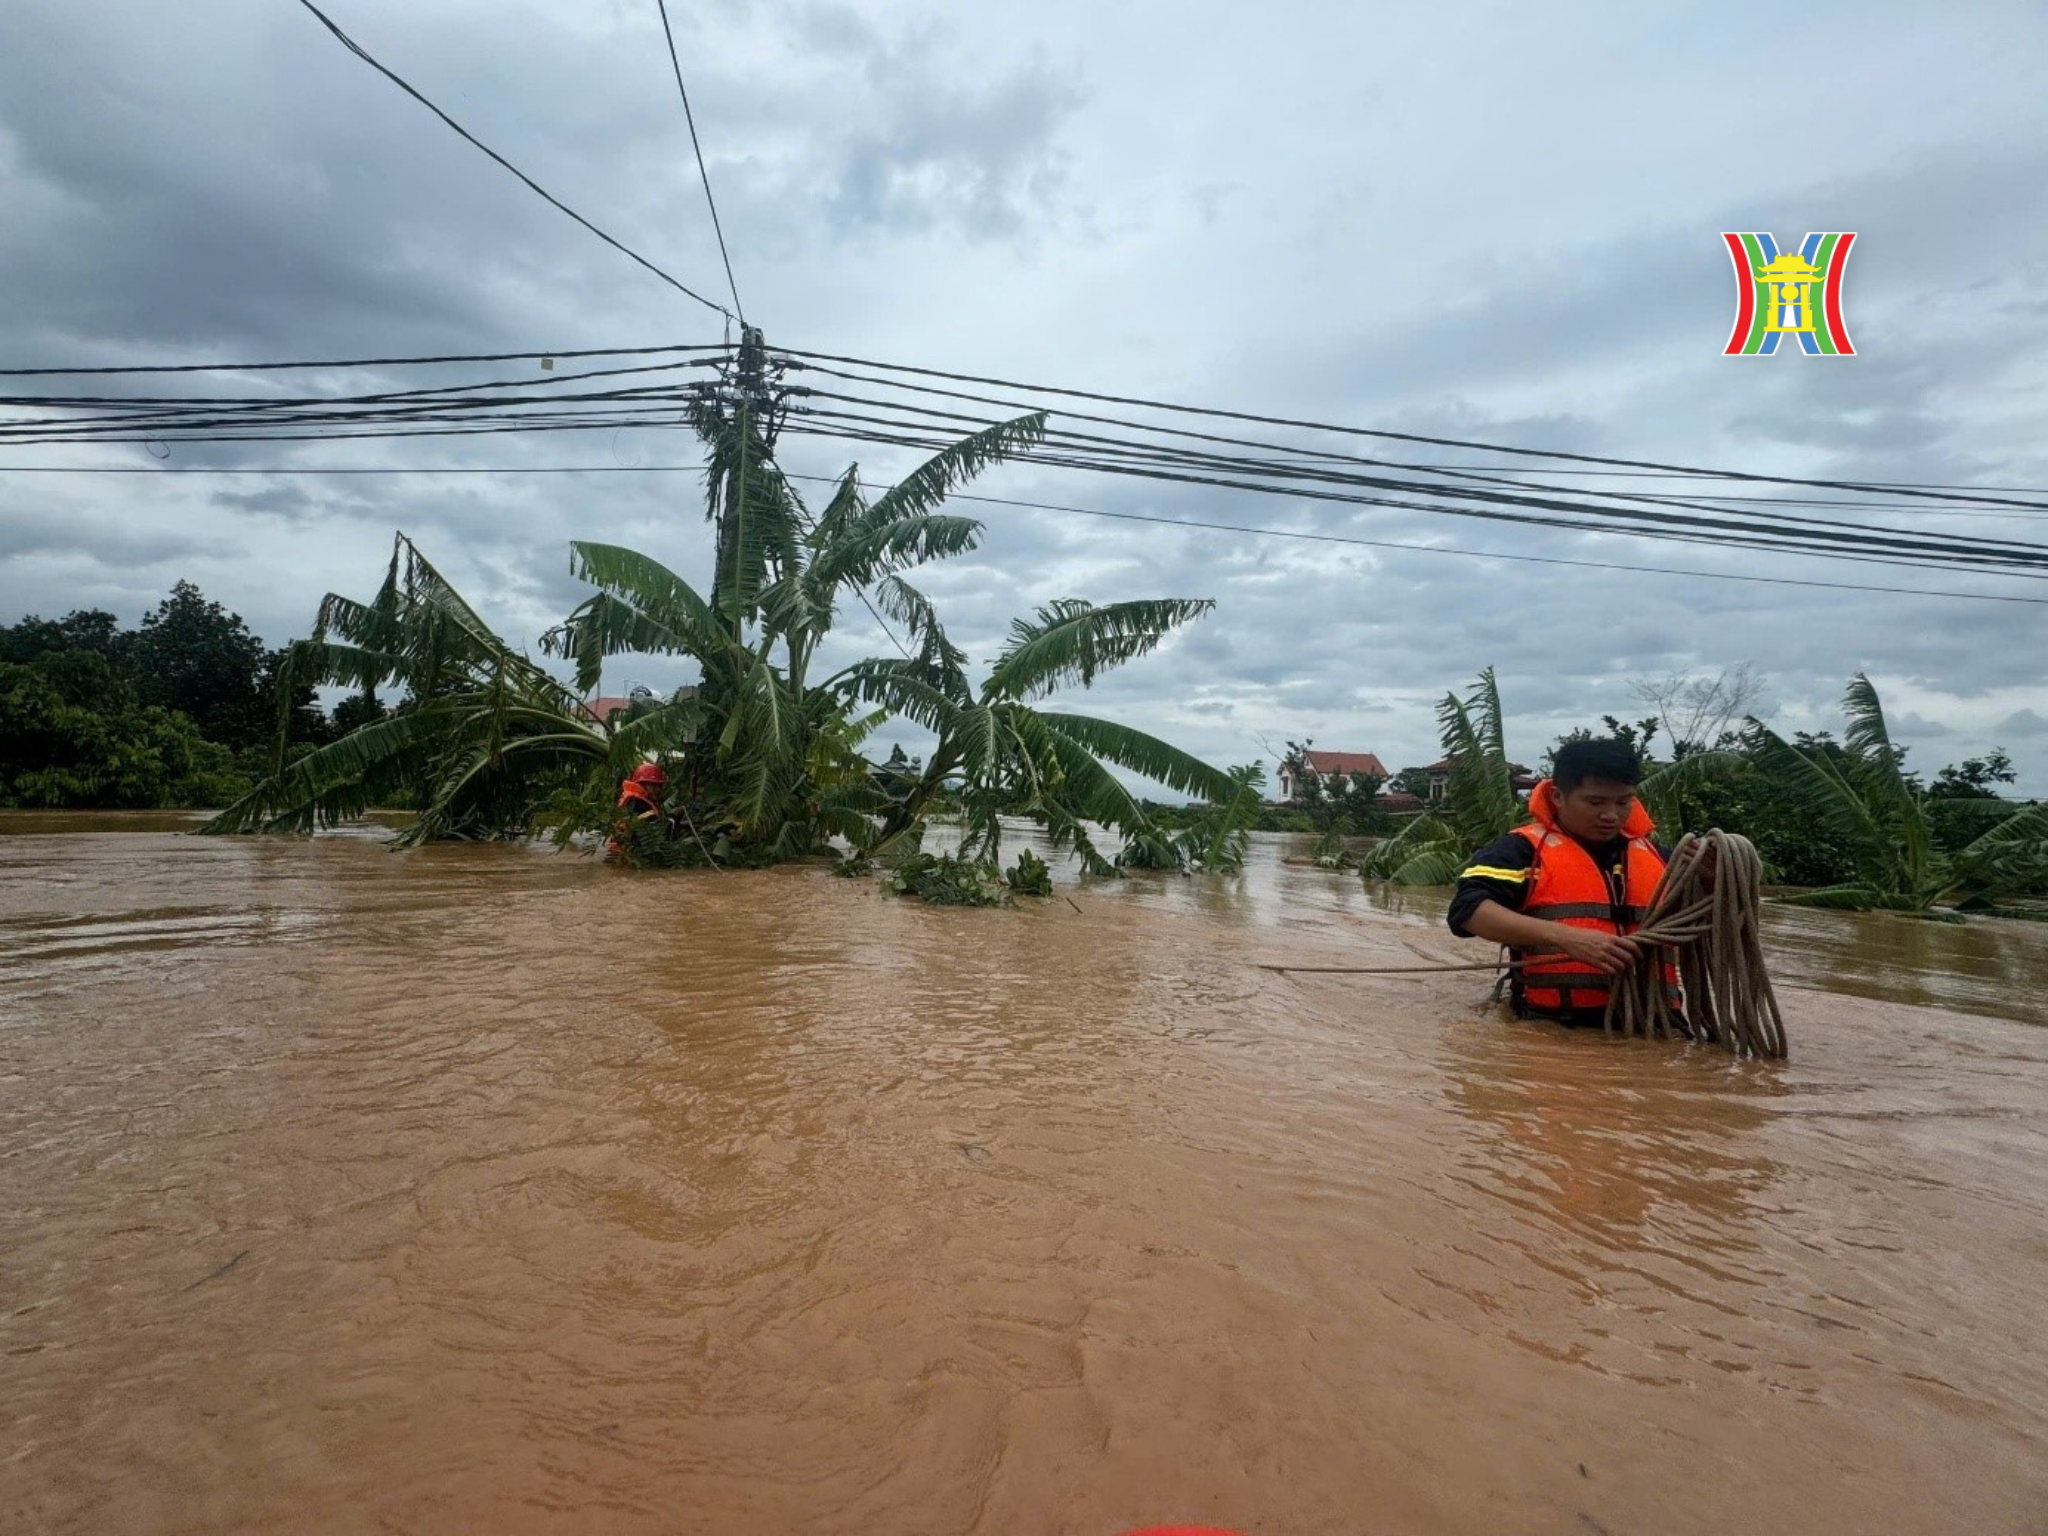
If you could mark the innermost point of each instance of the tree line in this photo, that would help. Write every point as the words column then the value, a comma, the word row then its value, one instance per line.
column 186, row 709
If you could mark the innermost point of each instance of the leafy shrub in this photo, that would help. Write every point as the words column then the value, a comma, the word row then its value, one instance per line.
column 947, row 880
column 1029, row 876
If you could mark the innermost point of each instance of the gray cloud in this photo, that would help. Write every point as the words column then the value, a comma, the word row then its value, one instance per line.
column 1912, row 726
column 105, row 542
column 2022, row 723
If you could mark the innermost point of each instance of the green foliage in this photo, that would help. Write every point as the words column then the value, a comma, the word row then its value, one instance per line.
column 1858, row 793
column 1268, row 818
column 357, row 710
column 164, row 715
column 1413, row 781
column 1029, row 876
column 1341, row 803
column 1479, row 804
column 587, row 814
column 100, row 749
column 194, row 656
column 34, row 639
column 1331, row 852
column 1217, row 835
column 483, row 740
column 1294, row 762
column 1729, row 789
column 1211, row 837
column 948, row 880
column 777, row 757
column 1636, row 735
column 1843, row 817
column 1004, row 756
column 1972, row 778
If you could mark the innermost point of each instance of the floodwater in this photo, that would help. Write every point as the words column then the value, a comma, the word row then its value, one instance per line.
column 483, row 1189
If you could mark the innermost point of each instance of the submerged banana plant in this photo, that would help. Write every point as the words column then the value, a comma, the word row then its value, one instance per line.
column 762, row 762
column 481, row 737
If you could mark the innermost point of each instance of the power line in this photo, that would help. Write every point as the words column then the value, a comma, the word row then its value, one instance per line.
column 1438, row 549
column 1521, row 490
column 1336, row 497
column 360, row 52
column 360, row 362
column 441, row 401
column 1952, row 492
column 680, row 469
column 466, row 395
column 484, row 406
column 1519, row 487
column 619, row 408
column 699, row 149
column 1642, row 469
column 1040, row 506
column 614, row 408
column 1113, row 456
column 1324, row 426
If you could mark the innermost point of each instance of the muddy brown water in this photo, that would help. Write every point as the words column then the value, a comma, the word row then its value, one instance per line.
column 481, row 1189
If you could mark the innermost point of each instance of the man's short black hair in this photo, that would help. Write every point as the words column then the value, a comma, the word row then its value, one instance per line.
column 1609, row 758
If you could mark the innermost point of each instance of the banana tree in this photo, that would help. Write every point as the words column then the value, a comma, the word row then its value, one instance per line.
column 772, row 762
column 1859, row 791
column 1480, row 800
column 1002, row 755
column 482, row 735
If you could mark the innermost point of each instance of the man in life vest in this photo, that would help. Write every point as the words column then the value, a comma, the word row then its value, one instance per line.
column 640, row 796
column 1564, row 892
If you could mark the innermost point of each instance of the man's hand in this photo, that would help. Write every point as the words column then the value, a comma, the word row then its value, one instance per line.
column 1602, row 951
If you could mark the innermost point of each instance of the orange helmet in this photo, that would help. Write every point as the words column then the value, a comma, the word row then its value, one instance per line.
column 647, row 773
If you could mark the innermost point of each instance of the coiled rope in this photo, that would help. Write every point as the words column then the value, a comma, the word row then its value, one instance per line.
column 1708, row 911
column 1706, row 914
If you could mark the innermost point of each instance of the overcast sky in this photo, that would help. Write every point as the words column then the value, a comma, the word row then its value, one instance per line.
column 1499, row 222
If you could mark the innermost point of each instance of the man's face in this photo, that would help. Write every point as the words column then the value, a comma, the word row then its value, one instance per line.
column 1597, row 810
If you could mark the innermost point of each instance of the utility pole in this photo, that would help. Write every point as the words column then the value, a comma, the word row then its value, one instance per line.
column 747, row 407
column 750, row 365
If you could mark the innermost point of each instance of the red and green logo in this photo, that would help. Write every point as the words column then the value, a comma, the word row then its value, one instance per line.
column 1789, row 293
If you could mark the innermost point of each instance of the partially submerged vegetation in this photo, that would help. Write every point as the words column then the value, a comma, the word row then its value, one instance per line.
column 1905, row 847
column 764, row 759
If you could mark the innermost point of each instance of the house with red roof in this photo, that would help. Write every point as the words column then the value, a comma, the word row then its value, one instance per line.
column 1326, row 766
column 1440, row 778
column 600, row 710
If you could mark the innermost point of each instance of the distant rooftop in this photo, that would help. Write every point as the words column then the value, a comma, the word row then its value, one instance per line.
column 1347, row 763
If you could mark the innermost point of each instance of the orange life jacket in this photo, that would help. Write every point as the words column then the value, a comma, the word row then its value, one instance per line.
column 634, row 792
column 1566, row 886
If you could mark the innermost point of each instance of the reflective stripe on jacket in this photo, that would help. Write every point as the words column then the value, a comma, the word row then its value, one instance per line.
column 1567, row 886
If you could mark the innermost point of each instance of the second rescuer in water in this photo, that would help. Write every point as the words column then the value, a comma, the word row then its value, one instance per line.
column 1565, row 891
